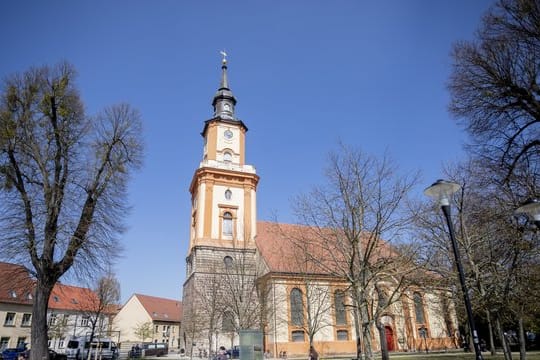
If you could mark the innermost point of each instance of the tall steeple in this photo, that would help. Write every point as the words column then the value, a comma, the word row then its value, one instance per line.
column 224, row 100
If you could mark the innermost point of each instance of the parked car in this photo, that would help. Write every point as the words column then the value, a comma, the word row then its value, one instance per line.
column 13, row 353
column 155, row 349
column 53, row 355
column 234, row 353
column 78, row 348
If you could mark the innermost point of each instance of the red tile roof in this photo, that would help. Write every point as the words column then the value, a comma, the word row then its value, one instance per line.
column 161, row 309
column 67, row 297
column 300, row 249
column 17, row 286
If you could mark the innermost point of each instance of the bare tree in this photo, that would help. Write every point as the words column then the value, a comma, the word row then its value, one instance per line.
column 193, row 325
column 362, row 203
column 99, row 305
column 499, row 252
column 210, row 302
column 494, row 87
column 63, row 180
column 58, row 326
column 144, row 330
column 240, row 293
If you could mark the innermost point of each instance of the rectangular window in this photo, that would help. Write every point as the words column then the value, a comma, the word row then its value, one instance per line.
column 26, row 320
column 84, row 320
column 298, row 336
column 10, row 319
column 227, row 224
column 342, row 335
column 61, row 343
column 52, row 319
column 339, row 303
column 4, row 342
column 20, row 342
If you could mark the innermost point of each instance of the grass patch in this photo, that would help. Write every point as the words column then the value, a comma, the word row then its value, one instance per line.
column 456, row 355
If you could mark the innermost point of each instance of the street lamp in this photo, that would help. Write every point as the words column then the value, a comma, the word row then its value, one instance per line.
column 442, row 191
column 531, row 207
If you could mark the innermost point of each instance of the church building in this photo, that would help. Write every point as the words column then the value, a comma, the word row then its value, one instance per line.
column 242, row 273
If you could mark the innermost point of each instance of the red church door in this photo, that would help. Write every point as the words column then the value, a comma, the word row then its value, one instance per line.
column 389, row 338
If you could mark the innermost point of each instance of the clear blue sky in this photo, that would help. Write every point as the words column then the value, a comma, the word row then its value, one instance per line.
column 306, row 74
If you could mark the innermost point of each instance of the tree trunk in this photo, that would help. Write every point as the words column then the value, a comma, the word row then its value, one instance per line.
column 358, row 329
column 39, row 321
column 506, row 348
column 210, row 342
column 490, row 331
column 382, row 339
column 522, row 340
column 366, row 331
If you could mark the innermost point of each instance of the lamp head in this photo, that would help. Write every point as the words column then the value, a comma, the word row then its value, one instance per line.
column 531, row 207
column 442, row 191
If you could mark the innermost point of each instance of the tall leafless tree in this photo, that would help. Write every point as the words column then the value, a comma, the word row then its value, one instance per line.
column 362, row 203
column 499, row 252
column 495, row 91
column 63, row 178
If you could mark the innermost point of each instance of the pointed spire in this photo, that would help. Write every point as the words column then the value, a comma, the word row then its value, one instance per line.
column 224, row 81
column 224, row 100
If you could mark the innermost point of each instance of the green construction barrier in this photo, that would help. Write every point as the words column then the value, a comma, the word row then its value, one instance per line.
column 251, row 345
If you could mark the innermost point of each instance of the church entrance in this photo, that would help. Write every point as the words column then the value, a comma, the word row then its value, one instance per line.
column 389, row 338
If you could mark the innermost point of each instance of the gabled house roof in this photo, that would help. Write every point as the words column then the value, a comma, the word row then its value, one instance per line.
column 67, row 297
column 161, row 309
column 17, row 286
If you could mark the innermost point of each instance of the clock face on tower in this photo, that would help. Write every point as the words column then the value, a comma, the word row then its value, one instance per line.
column 228, row 134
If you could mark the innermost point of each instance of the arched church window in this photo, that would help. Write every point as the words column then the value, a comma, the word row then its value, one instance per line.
column 227, row 223
column 227, row 156
column 297, row 307
column 339, row 303
column 228, row 194
column 228, row 261
column 419, row 308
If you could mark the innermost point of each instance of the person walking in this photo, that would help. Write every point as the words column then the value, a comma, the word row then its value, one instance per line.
column 222, row 353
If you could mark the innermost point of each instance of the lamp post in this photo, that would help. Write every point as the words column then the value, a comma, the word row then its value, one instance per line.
column 531, row 207
column 442, row 190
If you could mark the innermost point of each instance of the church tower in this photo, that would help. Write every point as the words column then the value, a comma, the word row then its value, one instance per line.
column 223, row 189
column 222, row 252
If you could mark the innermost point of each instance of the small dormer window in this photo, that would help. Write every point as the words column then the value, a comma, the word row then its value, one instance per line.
column 56, row 298
column 12, row 294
